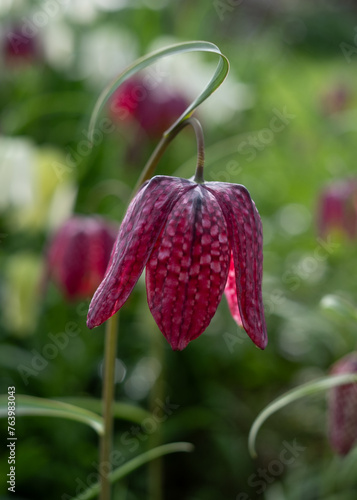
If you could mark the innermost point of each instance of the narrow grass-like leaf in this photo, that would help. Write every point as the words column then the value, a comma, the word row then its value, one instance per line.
column 196, row 46
column 124, row 411
column 133, row 464
column 291, row 396
column 41, row 407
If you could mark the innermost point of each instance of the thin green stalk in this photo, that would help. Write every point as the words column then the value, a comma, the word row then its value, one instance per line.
column 157, row 393
column 108, row 399
column 200, row 150
column 160, row 149
column 111, row 325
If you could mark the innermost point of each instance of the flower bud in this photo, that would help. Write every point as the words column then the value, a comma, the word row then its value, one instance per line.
column 343, row 407
column 78, row 255
column 337, row 209
column 336, row 99
column 19, row 46
column 153, row 108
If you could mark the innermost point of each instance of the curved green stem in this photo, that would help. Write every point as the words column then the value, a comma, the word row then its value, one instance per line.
column 160, row 149
column 108, row 397
column 200, row 150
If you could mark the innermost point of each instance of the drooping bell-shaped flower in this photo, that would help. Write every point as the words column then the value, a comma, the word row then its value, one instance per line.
column 78, row 255
column 150, row 104
column 337, row 210
column 20, row 47
column 343, row 407
column 196, row 239
column 336, row 99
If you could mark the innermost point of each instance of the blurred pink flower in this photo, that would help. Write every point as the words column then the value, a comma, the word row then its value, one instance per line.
column 19, row 47
column 338, row 98
column 78, row 255
column 343, row 408
column 189, row 236
column 154, row 108
column 337, row 209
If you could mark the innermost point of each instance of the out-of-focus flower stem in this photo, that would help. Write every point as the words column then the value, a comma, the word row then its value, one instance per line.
column 154, row 159
column 106, row 441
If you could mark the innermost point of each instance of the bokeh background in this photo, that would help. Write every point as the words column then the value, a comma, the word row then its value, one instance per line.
column 284, row 125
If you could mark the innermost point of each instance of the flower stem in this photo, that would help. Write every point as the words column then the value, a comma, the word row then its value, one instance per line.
column 107, row 402
column 112, row 323
column 160, row 149
column 200, row 150
column 157, row 393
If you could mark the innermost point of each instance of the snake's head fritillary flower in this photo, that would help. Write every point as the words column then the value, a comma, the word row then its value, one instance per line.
column 336, row 99
column 78, row 255
column 196, row 240
column 343, row 407
column 153, row 107
column 19, row 48
column 338, row 208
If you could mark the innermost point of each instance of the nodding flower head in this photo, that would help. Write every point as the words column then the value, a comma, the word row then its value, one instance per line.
column 343, row 408
column 337, row 209
column 154, row 108
column 19, row 47
column 78, row 255
column 196, row 240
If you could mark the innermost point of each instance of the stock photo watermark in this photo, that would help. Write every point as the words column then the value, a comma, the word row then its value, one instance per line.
column 263, row 477
column 136, row 95
column 58, row 342
column 40, row 359
column 253, row 143
column 223, row 7
column 293, row 278
column 348, row 50
column 84, row 148
column 130, row 442
column 32, row 24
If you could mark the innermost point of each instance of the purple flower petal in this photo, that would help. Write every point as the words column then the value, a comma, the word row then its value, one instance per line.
column 231, row 293
column 138, row 233
column 245, row 235
column 187, row 270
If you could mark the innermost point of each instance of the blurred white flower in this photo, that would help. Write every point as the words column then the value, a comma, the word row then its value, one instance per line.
column 59, row 44
column 21, row 299
column 82, row 11
column 104, row 52
column 5, row 6
column 17, row 159
column 30, row 190
column 112, row 5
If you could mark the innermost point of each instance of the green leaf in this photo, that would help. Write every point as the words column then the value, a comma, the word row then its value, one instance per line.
column 197, row 46
column 124, row 411
column 41, row 407
column 133, row 464
column 291, row 396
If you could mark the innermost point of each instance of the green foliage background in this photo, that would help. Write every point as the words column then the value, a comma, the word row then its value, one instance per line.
column 290, row 56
